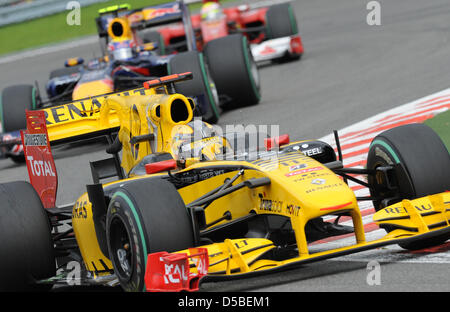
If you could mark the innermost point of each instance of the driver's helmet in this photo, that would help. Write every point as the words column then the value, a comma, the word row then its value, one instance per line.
column 184, row 136
column 121, row 50
column 211, row 11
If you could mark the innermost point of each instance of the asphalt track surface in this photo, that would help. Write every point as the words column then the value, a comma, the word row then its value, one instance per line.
column 349, row 72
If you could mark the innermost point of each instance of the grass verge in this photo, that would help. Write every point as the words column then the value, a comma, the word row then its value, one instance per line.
column 54, row 28
column 441, row 124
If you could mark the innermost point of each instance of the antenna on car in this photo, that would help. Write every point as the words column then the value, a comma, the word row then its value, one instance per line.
column 338, row 145
column 339, row 150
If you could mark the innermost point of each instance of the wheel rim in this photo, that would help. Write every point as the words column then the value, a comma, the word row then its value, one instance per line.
column 379, row 188
column 121, row 249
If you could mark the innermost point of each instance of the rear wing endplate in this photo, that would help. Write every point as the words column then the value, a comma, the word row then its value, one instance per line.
column 39, row 159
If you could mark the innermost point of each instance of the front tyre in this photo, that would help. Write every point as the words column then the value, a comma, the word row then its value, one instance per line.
column 421, row 165
column 144, row 216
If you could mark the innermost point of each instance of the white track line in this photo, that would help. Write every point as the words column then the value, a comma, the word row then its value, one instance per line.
column 48, row 49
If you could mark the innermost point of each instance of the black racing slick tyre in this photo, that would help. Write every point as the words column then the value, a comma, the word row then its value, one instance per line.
column 13, row 103
column 280, row 21
column 27, row 253
column 234, row 70
column 422, row 167
column 202, row 86
column 145, row 216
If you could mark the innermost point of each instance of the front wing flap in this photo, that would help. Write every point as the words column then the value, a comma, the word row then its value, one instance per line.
column 286, row 47
column 418, row 216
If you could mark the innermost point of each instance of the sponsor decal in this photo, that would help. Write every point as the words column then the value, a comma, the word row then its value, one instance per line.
column 318, row 181
column 292, row 210
column 312, row 151
column 40, row 167
column 395, row 210
column 290, row 174
column 81, row 109
column 400, row 209
column 159, row 12
column 79, row 210
column 173, row 273
column 324, row 187
column 268, row 50
column 270, row 205
column 39, row 139
column 297, row 167
column 196, row 176
column 310, row 175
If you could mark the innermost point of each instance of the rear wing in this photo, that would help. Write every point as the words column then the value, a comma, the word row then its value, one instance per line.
column 82, row 119
column 38, row 155
column 152, row 16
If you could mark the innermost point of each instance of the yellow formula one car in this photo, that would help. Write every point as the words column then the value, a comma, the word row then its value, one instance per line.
column 191, row 205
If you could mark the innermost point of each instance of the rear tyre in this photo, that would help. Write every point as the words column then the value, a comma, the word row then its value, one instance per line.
column 234, row 70
column 18, row 159
column 280, row 21
column 27, row 246
column 145, row 216
column 14, row 101
column 201, row 86
column 422, row 165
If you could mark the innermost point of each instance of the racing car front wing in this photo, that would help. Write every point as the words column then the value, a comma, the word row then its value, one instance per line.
column 289, row 47
column 424, row 218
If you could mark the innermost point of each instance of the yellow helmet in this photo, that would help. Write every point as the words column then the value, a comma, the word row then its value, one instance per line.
column 211, row 11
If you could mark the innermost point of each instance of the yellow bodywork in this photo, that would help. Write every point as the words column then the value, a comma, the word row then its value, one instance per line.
column 419, row 216
column 84, row 229
column 82, row 117
column 291, row 192
column 91, row 89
